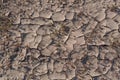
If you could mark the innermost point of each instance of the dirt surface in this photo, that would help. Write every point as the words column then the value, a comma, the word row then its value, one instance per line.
column 59, row 39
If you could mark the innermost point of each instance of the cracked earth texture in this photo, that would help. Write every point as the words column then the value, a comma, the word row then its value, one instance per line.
column 59, row 39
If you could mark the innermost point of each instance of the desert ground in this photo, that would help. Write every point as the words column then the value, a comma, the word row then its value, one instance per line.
column 59, row 39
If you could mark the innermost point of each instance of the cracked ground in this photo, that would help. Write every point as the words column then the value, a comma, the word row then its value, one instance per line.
column 59, row 39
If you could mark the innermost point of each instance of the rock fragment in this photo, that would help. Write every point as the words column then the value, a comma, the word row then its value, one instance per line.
column 58, row 66
column 70, row 68
column 25, row 21
column 36, row 41
column 46, row 40
column 104, row 66
column 78, row 24
column 111, row 14
column 14, row 74
column 88, row 28
column 22, row 55
column 37, row 21
column 111, row 24
column 46, row 14
column 69, row 44
column 41, row 69
column 28, row 28
column 80, row 40
column 77, row 33
column 101, row 15
column 44, row 77
column 44, row 30
column 55, row 75
column 28, row 38
column 46, row 52
column 34, row 53
column 35, row 14
column 69, row 15
column 58, row 17
column 76, row 56
column 41, row 31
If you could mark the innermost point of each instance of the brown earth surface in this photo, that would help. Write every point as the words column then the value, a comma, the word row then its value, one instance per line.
column 59, row 39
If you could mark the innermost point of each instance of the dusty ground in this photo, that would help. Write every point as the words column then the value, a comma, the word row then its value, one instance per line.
column 59, row 39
